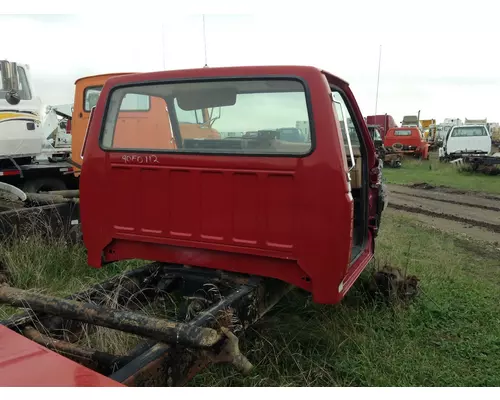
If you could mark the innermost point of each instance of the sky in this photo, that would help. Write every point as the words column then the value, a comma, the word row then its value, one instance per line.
column 443, row 61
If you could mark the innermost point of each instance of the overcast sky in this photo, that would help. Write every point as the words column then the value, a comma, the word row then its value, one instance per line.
column 444, row 62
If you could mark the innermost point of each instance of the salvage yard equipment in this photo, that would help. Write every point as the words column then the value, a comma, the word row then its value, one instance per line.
column 408, row 140
column 465, row 140
column 388, row 155
column 231, row 224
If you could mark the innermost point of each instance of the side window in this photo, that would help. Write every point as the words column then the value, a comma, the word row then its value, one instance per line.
column 135, row 102
column 353, row 134
column 91, row 95
column 131, row 102
column 24, row 88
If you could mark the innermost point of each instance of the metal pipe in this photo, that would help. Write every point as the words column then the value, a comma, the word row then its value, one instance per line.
column 127, row 321
column 86, row 355
column 65, row 193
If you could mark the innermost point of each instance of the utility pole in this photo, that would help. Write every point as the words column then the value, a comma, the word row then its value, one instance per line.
column 163, row 44
column 205, row 42
column 378, row 78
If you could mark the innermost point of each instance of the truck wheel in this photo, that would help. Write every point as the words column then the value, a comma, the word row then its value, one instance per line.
column 43, row 185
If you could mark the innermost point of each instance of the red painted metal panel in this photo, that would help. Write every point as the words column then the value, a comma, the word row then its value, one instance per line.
column 284, row 217
column 24, row 363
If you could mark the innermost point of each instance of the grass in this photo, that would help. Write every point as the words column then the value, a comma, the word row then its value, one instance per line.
column 445, row 174
column 448, row 336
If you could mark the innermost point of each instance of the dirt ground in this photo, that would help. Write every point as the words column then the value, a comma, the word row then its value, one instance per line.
column 475, row 215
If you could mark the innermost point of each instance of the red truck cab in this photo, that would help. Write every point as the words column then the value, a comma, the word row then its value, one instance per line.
column 408, row 140
column 302, row 212
column 384, row 122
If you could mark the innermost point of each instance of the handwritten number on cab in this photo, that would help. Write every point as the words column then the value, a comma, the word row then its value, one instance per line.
column 151, row 159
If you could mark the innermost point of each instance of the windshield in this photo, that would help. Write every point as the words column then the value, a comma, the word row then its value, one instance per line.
column 469, row 131
column 259, row 114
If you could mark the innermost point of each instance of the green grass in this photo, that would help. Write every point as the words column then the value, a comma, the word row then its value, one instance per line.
column 448, row 336
column 445, row 174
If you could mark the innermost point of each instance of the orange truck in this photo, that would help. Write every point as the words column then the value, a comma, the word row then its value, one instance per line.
column 139, row 112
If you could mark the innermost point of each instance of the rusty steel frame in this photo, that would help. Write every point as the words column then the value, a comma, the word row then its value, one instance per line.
column 172, row 352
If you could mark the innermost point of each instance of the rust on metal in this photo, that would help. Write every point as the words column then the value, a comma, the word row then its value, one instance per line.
column 126, row 321
column 220, row 304
column 92, row 358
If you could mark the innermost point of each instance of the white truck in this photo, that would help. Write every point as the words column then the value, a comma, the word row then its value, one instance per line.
column 466, row 140
column 34, row 146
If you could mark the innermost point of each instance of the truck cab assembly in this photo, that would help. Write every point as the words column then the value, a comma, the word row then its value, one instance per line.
column 228, row 223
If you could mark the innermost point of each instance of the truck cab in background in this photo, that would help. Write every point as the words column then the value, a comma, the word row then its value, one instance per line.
column 137, row 113
column 21, row 133
column 384, row 122
column 472, row 140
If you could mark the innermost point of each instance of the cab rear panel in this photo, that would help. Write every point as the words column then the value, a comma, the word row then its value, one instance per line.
column 284, row 216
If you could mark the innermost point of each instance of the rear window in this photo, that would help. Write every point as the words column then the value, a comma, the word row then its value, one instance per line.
column 197, row 117
column 469, row 131
column 403, row 132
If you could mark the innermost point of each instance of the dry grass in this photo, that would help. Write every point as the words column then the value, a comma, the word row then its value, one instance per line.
column 447, row 336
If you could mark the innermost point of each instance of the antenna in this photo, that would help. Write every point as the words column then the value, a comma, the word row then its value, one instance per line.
column 163, row 44
column 378, row 78
column 205, row 42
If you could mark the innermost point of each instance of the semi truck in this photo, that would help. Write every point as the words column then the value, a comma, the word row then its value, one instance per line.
column 384, row 122
column 34, row 144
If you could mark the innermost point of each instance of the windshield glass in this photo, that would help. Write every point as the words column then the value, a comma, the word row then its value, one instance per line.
column 259, row 114
column 401, row 132
column 469, row 131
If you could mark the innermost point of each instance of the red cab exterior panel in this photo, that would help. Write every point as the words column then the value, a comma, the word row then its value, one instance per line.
column 246, row 202
column 409, row 140
column 24, row 363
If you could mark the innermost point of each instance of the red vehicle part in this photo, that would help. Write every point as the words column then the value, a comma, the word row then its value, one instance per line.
column 384, row 123
column 408, row 140
column 24, row 363
column 284, row 217
column 216, row 307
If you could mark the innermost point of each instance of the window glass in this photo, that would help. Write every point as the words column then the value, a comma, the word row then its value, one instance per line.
column 402, row 132
column 469, row 131
column 241, row 116
column 91, row 96
column 24, row 88
column 131, row 102
column 344, row 115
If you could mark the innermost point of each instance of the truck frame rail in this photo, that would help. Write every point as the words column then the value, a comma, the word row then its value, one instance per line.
column 216, row 307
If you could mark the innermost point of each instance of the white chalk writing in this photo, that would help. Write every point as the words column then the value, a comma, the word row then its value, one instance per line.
column 144, row 159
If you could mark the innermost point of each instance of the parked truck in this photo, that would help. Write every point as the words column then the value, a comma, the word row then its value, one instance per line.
column 232, row 224
column 34, row 146
column 383, row 121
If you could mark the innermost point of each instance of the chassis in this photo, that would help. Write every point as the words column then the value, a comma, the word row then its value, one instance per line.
column 216, row 307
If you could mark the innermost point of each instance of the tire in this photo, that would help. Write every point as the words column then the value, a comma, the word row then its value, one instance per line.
column 47, row 184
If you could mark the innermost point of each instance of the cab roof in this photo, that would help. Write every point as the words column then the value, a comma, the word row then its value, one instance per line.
column 220, row 72
column 102, row 75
